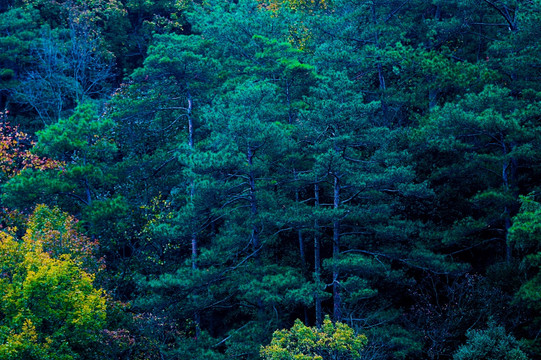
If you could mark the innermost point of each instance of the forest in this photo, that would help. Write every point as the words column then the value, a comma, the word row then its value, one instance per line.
column 270, row 179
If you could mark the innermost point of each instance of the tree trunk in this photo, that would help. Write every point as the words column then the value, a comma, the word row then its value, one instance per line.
column 317, row 259
column 190, row 123
column 255, row 228
column 379, row 67
column 336, row 254
column 507, row 167
column 302, row 253
column 253, row 204
column 192, row 185
column 197, row 317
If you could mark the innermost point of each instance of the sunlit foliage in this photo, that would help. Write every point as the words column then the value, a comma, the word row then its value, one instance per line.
column 332, row 341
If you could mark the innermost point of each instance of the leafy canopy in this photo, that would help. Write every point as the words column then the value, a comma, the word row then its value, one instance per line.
column 331, row 341
column 49, row 307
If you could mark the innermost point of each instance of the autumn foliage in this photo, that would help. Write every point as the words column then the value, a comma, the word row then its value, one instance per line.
column 59, row 234
column 49, row 307
column 15, row 154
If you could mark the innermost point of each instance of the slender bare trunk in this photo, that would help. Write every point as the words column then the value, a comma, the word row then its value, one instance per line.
column 192, row 185
column 317, row 259
column 336, row 254
column 505, row 182
column 302, row 252
column 197, row 317
column 190, row 123
column 255, row 227
column 379, row 66
column 253, row 203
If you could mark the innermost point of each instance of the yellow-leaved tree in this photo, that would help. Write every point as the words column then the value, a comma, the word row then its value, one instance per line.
column 332, row 341
column 49, row 307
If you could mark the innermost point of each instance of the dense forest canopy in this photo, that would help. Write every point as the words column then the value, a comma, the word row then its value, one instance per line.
column 270, row 179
